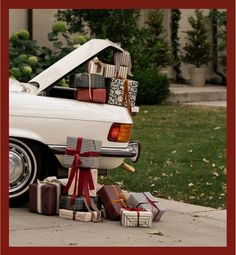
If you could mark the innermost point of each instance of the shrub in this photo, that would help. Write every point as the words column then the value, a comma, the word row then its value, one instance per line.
column 153, row 86
column 197, row 50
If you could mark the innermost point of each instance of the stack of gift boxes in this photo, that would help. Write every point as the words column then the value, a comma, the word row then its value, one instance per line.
column 107, row 83
column 78, row 198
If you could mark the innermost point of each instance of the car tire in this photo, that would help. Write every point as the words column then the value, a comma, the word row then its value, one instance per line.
column 25, row 166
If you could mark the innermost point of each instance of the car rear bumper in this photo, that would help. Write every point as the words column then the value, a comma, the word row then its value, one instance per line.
column 132, row 151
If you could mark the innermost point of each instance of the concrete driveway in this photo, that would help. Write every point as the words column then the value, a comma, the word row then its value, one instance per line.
column 181, row 225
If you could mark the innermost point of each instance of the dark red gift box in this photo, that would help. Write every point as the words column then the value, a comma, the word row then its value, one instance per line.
column 44, row 203
column 91, row 95
column 113, row 200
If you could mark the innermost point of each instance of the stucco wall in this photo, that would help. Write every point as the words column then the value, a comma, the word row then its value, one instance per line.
column 17, row 20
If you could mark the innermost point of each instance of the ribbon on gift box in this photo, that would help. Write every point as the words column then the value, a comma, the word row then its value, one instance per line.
column 121, row 198
column 96, row 63
column 85, row 182
column 138, row 210
column 153, row 205
column 49, row 180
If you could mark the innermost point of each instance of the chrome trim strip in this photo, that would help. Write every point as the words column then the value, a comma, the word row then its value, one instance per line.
column 128, row 152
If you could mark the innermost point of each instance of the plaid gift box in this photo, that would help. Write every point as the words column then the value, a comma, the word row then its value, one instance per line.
column 136, row 217
column 79, row 205
column 85, row 80
column 117, row 92
column 110, row 71
column 146, row 201
column 89, row 148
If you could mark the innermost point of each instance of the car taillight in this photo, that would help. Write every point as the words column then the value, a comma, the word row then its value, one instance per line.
column 119, row 132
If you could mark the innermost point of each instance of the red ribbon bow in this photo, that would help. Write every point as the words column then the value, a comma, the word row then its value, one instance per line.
column 85, row 180
column 153, row 205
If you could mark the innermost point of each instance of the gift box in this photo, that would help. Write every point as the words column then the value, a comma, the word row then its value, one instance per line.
column 136, row 218
column 146, row 201
column 110, row 71
column 79, row 205
column 122, row 59
column 85, row 80
column 44, row 196
column 92, row 192
column 96, row 67
column 92, row 95
column 74, row 215
column 113, row 200
column 87, row 150
column 119, row 94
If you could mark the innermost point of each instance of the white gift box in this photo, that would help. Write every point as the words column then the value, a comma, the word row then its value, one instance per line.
column 110, row 71
column 136, row 218
column 93, row 192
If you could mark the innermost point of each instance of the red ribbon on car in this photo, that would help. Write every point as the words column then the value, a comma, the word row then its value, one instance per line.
column 85, row 180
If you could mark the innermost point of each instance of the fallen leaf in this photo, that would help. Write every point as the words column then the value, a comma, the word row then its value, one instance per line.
column 205, row 160
column 190, row 184
column 173, row 152
column 216, row 128
column 152, row 185
column 159, row 233
column 213, row 165
column 215, row 173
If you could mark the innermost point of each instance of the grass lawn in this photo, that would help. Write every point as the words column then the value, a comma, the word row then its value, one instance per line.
column 183, row 154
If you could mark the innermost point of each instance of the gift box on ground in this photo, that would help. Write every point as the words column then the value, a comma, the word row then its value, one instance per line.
column 44, row 196
column 92, row 95
column 92, row 192
column 79, row 205
column 146, row 201
column 113, row 200
column 85, row 80
column 122, row 59
column 87, row 150
column 111, row 71
column 136, row 217
column 121, row 91
column 96, row 67
column 75, row 215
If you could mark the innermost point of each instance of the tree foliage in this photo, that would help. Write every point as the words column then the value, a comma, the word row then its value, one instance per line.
column 197, row 48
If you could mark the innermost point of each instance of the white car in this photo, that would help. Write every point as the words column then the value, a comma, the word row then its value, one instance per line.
column 43, row 115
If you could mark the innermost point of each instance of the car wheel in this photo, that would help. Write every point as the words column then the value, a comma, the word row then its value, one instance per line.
column 24, row 166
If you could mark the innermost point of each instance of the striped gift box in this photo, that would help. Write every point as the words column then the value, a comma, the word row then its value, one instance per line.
column 96, row 81
column 122, row 59
column 92, row 192
column 110, row 71
column 136, row 218
column 146, row 201
column 73, row 215
column 88, row 145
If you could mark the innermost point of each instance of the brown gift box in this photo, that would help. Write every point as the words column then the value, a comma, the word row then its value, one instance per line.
column 47, row 202
column 113, row 200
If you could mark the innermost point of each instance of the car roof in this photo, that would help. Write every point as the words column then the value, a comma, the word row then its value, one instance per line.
column 72, row 61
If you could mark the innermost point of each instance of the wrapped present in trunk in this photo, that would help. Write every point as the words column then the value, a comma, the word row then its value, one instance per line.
column 136, row 217
column 92, row 95
column 96, row 67
column 113, row 200
column 87, row 150
column 122, row 59
column 122, row 92
column 44, row 196
column 146, row 201
column 79, row 205
column 86, row 80
column 111, row 71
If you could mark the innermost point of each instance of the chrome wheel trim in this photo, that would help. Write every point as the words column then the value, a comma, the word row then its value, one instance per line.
column 22, row 167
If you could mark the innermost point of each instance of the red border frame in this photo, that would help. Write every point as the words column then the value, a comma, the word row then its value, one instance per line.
column 92, row 4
